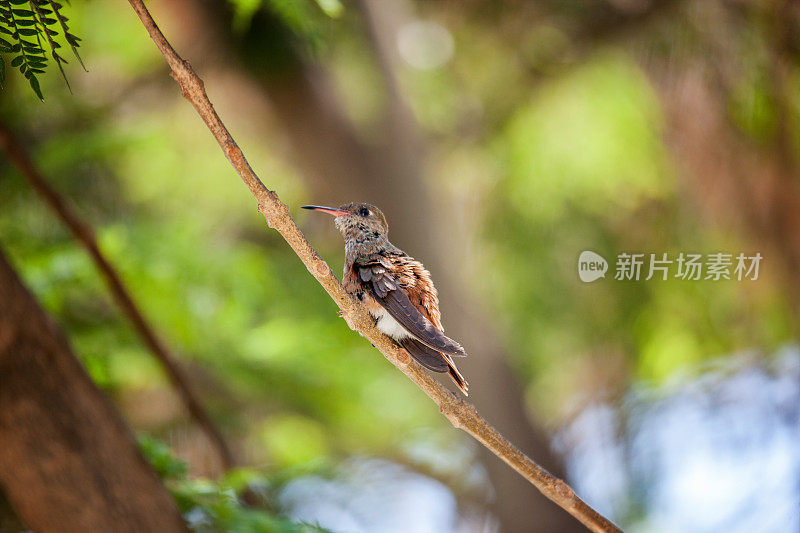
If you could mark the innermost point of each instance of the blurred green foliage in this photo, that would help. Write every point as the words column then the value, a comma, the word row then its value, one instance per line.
column 551, row 160
column 584, row 167
column 228, row 295
column 213, row 506
column 307, row 19
column 576, row 164
column 576, row 160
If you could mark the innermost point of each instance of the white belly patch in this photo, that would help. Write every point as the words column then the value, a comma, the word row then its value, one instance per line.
column 389, row 326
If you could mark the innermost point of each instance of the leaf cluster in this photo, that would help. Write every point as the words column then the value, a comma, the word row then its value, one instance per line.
column 30, row 31
column 212, row 506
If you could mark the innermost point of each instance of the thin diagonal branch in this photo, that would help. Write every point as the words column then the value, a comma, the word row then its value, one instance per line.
column 459, row 412
column 83, row 233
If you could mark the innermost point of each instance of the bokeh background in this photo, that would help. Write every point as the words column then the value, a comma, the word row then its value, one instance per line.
column 501, row 140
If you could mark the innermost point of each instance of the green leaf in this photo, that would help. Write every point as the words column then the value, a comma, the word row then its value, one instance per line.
column 23, row 13
column 5, row 30
column 35, row 86
column 31, row 49
column 26, row 22
column 28, row 32
column 160, row 457
column 17, row 2
column 17, row 61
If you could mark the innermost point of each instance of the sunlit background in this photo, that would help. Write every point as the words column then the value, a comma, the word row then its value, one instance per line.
column 501, row 140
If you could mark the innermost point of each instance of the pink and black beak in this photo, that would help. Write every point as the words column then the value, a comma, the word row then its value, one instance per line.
column 330, row 210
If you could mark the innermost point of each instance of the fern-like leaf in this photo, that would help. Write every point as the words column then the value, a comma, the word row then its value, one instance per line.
column 49, row 35
column 29, row 31
column 72, row 40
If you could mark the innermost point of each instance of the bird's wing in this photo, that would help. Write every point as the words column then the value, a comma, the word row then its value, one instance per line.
column 377, row 280
column 436, row 361
column 426, row 356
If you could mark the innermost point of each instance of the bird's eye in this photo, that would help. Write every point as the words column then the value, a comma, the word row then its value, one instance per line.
column 364, row 212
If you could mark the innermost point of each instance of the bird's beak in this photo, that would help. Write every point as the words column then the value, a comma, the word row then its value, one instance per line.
column 330, row 210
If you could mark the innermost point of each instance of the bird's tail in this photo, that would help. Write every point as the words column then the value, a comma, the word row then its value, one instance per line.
column 456, row 376
column 436, row 361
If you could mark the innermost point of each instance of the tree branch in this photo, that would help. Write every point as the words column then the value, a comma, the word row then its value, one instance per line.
column 460, row 413
column 83, row 233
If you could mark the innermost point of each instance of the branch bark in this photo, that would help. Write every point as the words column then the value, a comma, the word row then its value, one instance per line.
column 459, row 412
column 83, row 233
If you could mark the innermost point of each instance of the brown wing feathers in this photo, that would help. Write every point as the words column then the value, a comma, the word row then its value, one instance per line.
column 429, row 346
column 381, row 285
column 433, row 360
column 426, row 356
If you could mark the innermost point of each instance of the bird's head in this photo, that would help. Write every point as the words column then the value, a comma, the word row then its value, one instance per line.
column 360, row 221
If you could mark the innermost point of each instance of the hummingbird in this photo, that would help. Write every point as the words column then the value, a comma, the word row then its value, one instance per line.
column 395, row 288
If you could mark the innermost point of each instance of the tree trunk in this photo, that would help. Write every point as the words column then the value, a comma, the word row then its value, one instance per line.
column 67, row 460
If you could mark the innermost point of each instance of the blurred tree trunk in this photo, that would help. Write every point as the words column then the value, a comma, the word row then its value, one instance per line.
column 339, row 168
column 9, row 521
column 67, row 460
column 735, row 180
